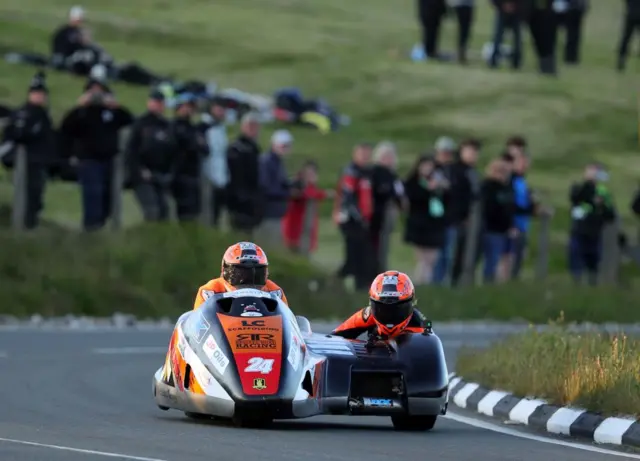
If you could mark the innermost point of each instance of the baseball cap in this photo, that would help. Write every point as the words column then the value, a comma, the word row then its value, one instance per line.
column 281, row 137
column 445, row 143
column 156, row 95
column 76, row 12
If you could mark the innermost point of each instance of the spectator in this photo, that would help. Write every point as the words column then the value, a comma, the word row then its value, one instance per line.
column 274, row 187
column 301, row 219
column 31, row 126
column 192, row 149
column 5, row 112
column 151, row 155
column 353, row 210
column 464, row 10
column 94, row 126
column 631, row 24
column 591, row 209
column 465, row 190
column 516, row 145
column 430, row 15
column 570, row 15
column 542, row 25
column 243, row 190
column 426, row 224
column 444, row 156
column 89, row 56
column 498, row 209
column 215, row 165
column 635, row 204
column 508, row 16
column 388, row 193
column 67, row 39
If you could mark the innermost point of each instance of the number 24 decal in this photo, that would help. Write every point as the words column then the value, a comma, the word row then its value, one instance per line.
column 260, row 365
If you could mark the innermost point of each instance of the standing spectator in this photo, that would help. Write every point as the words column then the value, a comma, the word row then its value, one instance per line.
column 444, row 156
column 274, row 187
column 215, row 165
column 67, row 39
column 464, row 10
column 353, row 210
column 591, row 209
column 192, row 149
column 542, row 25
column 94, row 126
column 498, row 209
column 31, row 127
column 570, row 16
column 430, row 15
column 508, row 16
column 464, row 191
column 244, row 182
column 426, row 225
column 302, row 212
column 631, row 23
column 388, row 192
column 151, row 158
column 516, row 145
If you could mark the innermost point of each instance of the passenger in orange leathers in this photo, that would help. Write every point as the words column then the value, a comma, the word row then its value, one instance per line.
column 244, row 265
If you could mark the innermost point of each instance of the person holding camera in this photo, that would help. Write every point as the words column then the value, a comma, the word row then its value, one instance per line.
column 93, row 128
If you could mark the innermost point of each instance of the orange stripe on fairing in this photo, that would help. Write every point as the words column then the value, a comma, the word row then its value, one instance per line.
column 256, row 344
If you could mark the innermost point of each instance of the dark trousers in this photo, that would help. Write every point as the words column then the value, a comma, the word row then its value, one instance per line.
column 631, row 24
column 36, row 183
column 494, row 246
column 186, row 193
column 95, row 178
column 430, row 14
column 359, row 261
column 464, row 15
column 571, row 22
column 218, row 204
column 585, row 253
column 152, row 197
column 542, row 25
column 504, row 22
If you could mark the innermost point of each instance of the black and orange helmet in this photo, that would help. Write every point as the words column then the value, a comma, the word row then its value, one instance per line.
column 245, row 264
column 391, row 300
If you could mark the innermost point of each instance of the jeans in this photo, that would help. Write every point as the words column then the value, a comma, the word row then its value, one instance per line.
column 502, row 23
column 584, row 253
column 152, row 198
column 516, row 247
column 95, row 177
column 493, row 247
column 186, row 192
column 445, row 258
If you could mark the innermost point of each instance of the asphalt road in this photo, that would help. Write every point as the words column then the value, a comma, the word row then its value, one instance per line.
column 87, row 396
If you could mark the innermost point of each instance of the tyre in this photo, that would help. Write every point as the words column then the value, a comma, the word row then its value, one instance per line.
column 414, row 422
column 199, row 416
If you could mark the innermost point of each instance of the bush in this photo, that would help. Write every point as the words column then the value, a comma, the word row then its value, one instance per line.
column 597, row 372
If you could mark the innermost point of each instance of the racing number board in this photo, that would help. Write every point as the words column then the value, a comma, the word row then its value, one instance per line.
column 256, row 343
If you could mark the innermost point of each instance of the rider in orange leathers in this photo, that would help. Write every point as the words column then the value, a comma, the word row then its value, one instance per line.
column 390, row 312
column 244, row 265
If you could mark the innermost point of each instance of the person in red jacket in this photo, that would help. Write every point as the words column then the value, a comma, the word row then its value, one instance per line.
column 300, row 223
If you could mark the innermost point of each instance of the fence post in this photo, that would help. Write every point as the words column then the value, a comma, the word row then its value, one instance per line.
column 471, row 244
column 544, row 238
column 116, row 192
column 206, row 197
column 19, row 210
column 310, row 210
column 610, row 263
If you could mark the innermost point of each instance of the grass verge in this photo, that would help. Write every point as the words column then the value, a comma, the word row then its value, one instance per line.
column 592, row 371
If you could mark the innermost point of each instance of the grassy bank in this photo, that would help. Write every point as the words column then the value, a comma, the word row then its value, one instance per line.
column 356, row 58
column 599, row 373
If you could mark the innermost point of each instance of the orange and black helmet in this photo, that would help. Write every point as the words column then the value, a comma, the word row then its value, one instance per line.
column 391, row 300
column 245, row 263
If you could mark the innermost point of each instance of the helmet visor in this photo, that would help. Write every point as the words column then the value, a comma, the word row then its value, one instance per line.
column 244, row 274
column 391, row 314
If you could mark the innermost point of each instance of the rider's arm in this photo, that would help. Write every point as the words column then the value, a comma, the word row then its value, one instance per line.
column 205, row 292
column 355, row 325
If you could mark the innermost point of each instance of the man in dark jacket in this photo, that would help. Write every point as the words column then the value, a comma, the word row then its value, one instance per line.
column 191, row 150
column 353, row 211
column 31, row 127
column 67, row 39
column 151, row 158
column 631, row 24
column 570, row 16
column 591, row 209
column 430, row 15
column 94, row 128
column 275, row 187
column 445, row 149
column 509, row 14
column 542, row 24
column 243, row 199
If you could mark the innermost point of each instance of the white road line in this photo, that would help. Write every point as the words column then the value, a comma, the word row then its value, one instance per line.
column 80, row 450
column 130, row 350
column 536, row 438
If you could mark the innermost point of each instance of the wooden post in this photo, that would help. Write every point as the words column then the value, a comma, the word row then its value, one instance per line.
column 610, row 262
column 206, row 197
column 474, row 228
column 544, row 239
column 116, row 192
column 19, row 210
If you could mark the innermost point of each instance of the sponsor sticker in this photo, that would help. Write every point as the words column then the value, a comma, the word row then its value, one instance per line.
column 366, row 313
column 247, row 293
column 385, row 403
column 200, row 328
column 255, row 341
column 334, row 347
column 260, row 365
column 251, row 311
column 390, row 280
column 295, row 352
column 206, row 294
column 182, row 343
column 259, row 384
column 253, row 334
column 176, row 365
column 215, row 354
